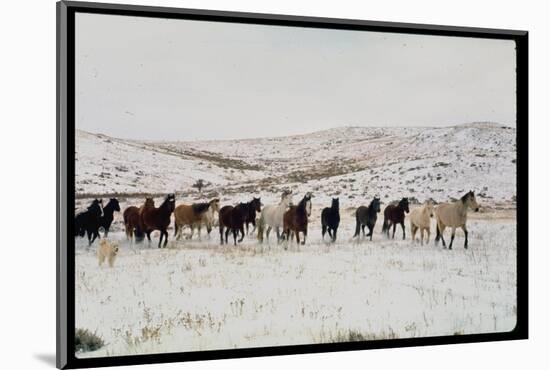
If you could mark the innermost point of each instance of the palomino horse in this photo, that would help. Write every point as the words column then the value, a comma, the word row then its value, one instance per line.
column 89, row 221
column 330, row 219
column 233, row 219
column 367, row 216
column 254, row 206
column 395, row 214
column 107, row 219
column 132, row 220
column 153, row 218
column 420, row 220
column 197, row 214
column 454, row 215
column 296, row 218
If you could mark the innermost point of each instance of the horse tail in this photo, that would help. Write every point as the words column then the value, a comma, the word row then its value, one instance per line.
column 176, row 228
column 385, row 225
column 261, row 228
column 357, row 226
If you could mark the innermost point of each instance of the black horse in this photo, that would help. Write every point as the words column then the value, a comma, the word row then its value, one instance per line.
column 366, row 216
column 88, row 221
column 330, row 219
column 107, row 219
column 395, row 214
column 254, row 206
column 233, row 219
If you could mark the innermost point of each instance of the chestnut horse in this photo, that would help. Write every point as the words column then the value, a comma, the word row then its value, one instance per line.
column 132, row 220
column 296, row 218
column 395, row 214
column 233, row 219
column 197, row 214
column 153, row 218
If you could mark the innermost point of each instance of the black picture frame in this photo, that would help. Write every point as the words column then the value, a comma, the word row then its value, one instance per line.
column 66, row 11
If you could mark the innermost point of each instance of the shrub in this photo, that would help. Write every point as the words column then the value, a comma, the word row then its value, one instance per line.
column 85, row 341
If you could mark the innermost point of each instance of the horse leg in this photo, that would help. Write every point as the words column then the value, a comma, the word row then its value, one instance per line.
column 465, row 236
column 297, row 237
column 106, row 231
column 242, row 233
column 441, row 230
column 268, row 231
column 427, row 236
column 413, row 233
column 221, row 234
column 403, row 227
column 165, row 238
column 371, row 229
column 324, row 230
column 305, row 235
column 235, row 232
column 227, row 230
column 363, row 230
column 334, row 234
column 453, row 229
column 161, row 237
column 393, row 234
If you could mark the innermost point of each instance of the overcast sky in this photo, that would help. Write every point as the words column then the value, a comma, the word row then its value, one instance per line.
column 166, row 79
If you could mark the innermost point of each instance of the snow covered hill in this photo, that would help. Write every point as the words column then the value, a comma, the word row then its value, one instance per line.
column 349, row 162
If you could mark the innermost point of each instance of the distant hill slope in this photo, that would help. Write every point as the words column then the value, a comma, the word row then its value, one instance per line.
column 350, row 161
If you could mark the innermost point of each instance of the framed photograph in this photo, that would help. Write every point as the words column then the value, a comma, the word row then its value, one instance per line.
column 237, row 185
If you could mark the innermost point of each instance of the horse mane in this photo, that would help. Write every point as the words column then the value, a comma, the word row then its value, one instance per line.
column 302, row 204
column 465, row 197
column 200, row 207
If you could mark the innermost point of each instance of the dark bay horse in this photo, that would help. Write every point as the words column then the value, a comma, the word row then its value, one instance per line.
column 395, row 214
column 330, row 219
column 296, row 218
column 153, row 218
column 132, row 220
column 233, row 219
column 107, row 219
column 366, row 216
column 254, row 206
column 89, row 221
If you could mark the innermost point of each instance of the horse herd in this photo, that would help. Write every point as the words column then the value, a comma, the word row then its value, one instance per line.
column 288, row 220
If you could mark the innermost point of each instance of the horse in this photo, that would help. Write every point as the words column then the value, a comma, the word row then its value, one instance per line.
column 454, row 215
column 193, row 215
column 395, row 214
column 366, row 216
column 88, row 221
column 254, row 206
column 132, row 220
column 232, row 219
column 330, row 219
column 295, row 219
column 107, row 219
column 153, row 218
column 272, row 216
column 420, row 219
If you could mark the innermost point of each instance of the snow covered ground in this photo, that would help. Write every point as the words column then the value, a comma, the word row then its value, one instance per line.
column 353, row 162
column 198, row 295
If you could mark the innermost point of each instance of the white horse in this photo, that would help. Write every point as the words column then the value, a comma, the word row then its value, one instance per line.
column 420, row 220
column 454, row 215
column 272, row 217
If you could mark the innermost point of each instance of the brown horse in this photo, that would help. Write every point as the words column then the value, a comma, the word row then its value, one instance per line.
column 153, row 218
column 296, row 218
column 132, row 220
column 395, row 214
column 233, row 219
column 197, row 214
